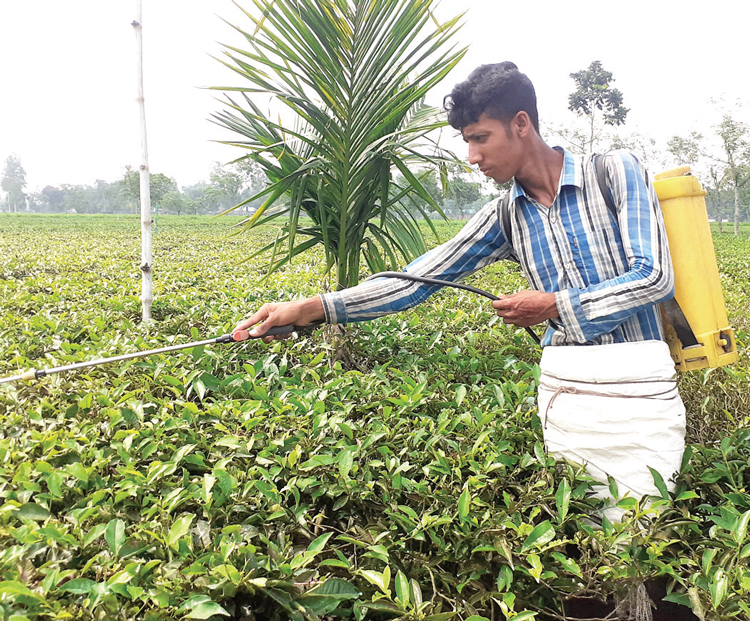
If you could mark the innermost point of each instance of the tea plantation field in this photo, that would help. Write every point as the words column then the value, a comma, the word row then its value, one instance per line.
column 253, row 482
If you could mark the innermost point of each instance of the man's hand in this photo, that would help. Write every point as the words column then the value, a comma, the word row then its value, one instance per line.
column 526, row 308
column 298, row 313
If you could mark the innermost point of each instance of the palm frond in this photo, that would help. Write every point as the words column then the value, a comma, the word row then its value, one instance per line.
column 352, row 76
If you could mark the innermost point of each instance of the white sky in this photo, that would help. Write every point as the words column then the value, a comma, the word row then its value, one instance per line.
column 67, row 71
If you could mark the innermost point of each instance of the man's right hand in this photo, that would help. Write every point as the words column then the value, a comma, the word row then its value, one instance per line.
column 298, row 313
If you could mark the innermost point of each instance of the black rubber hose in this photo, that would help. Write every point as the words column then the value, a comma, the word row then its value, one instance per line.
column 445, row 283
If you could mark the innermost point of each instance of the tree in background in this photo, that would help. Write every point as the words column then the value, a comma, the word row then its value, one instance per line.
column 78, row 200
column 102, row 197
column 726, row 162
column 460, row 194
column 123, row 196
column 54, row 198
column 463, row 193
column 648, row 151
column 175, row 202
column 686, row 149
column 234, row 183
column 13, row 183
column 595, row 100
column 254, row 181
column 160, row 186
column 353, row 75
column 416, row 204
column 690, row 150
column 225, row 188
column 195, row 198
column 230, row 184
column 735, row 159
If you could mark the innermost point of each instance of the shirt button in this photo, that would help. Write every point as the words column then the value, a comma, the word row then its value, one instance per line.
column 566, row 265
column 553, row 219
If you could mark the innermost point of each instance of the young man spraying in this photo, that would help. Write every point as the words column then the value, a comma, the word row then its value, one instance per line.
column 607, row 396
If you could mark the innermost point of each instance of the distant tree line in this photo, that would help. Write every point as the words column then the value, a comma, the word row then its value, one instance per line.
column 227, row 186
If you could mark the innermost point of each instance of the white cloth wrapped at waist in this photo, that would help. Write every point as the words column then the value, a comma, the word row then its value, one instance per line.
column 616, row 409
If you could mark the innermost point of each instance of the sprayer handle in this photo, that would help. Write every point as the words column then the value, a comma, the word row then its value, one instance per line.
column 288, row 329
column 243, row 335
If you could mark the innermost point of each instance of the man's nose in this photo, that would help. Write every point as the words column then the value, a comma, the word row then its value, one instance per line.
column 475, row 155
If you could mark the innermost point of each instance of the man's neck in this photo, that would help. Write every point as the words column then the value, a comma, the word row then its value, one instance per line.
column 540, row 173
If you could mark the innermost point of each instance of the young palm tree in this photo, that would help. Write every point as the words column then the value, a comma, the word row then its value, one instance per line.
column 354, row 74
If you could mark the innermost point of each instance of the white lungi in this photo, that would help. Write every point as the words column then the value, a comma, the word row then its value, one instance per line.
column 616, row 409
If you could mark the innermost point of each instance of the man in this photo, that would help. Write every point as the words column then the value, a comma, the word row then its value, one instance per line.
column 607, row 396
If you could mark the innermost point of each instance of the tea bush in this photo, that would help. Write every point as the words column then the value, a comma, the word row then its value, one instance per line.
column 269, row 482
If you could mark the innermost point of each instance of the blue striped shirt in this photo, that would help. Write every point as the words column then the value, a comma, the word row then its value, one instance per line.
column 608, row 274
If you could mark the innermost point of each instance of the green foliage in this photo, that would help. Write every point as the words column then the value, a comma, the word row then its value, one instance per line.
column 593, row 92
column 735, row 141
column 228, row 184
column 686, row 150
column 13, row 183
column 722, row 165
column 160, row 185
column 267, row 482
column 353, row 75
column 599, row 104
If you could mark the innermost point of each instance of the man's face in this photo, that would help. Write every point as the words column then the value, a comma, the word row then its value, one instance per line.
column 493, row 148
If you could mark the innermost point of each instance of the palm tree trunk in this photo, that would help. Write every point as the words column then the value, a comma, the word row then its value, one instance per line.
column 341, row 279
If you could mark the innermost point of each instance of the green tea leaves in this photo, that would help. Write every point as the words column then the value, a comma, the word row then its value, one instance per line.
column 413, row 485
column 541, row 535
column 178, row 530
column 115, row 535
column 464, row 504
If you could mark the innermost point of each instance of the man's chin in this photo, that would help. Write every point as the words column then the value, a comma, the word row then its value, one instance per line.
column 489, row 174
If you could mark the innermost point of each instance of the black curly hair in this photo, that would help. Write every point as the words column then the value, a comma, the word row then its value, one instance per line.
column 500, row 90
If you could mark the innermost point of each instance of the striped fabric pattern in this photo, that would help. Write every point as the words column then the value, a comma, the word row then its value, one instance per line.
column 607, row 275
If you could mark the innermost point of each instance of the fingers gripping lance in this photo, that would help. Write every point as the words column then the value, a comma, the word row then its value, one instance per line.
column 239, row 335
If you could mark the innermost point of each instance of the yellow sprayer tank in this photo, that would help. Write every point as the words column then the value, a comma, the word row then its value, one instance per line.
column 697, row 284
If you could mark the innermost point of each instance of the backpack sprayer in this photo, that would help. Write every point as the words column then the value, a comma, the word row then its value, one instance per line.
column 696, row 324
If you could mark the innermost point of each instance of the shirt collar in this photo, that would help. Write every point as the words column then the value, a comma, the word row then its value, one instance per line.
column 572, row 174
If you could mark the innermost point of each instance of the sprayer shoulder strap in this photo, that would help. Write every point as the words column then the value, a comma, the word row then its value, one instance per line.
column 601, row 179
column 505, row 217
column 506, row 223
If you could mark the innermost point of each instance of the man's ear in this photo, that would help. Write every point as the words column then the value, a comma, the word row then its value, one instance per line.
column 521, row 124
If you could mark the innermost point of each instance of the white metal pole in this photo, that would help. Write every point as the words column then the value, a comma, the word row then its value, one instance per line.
column 146, row 258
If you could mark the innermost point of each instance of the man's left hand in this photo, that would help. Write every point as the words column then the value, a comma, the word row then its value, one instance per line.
column 526, row 308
